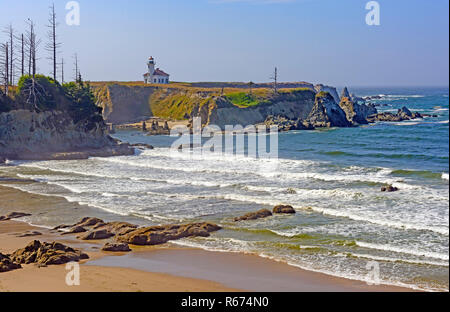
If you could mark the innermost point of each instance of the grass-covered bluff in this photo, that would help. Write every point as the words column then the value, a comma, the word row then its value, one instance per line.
column 131, row 101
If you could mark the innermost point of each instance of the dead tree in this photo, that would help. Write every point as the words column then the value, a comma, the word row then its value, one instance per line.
column 75, row 63
column 52, row 45
column 31, row 46
column 9, row 31
column 4, row 66
column 32, row 91
column 23, row 55
column 275, row 81
column 62, row 70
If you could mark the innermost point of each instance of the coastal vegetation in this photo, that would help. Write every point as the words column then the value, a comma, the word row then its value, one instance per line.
column 244, row 99
column 74, row 98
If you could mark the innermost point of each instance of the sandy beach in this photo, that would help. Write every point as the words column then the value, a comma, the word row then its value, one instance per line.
column 163, row 268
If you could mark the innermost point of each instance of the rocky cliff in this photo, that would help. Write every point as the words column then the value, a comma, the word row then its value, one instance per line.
column 124, row 104
column 54, row 135
column 332, row 90
column 231, row 104
column 326, row 113
column 296, row 104
column 356, row 113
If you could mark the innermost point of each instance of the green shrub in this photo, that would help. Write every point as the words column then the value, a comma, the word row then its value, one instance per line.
column 81, row 102
column 243, row 99
column 46, row 91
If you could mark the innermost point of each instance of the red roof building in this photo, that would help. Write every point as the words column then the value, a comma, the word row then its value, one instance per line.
column 155, row 75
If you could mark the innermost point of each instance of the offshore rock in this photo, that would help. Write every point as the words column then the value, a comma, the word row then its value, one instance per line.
column 283, row 209
column 326, row 113
column 263, row 213
column 357, row 113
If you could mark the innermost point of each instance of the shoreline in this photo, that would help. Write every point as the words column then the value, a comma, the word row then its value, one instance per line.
column 160, row 268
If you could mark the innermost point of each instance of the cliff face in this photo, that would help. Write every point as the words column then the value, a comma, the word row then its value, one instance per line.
column 326, row 113
column 293, row 105
column 125, row 103
column 31, row 135
column 122, row 104
column 356, row 113
column 332, row 90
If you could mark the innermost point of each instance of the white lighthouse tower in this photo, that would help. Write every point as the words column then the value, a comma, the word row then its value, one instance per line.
column 155, row 75
column 151, row 66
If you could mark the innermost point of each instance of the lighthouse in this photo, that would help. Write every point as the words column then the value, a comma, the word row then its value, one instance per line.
column 151, row 65
column 155, row 75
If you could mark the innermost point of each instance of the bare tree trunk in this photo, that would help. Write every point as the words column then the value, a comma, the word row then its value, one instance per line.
column 62, row 70
column 11, row 55
column 33, row 90
column 29, row 61
column 76, row 67
column 23, row 56
column 52, row 46
column 6, row 69
column 9, row 30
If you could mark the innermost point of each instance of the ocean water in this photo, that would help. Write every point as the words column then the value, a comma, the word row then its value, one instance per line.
column 344, row 225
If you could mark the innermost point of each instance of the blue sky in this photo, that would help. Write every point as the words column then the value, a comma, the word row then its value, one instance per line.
column 320, row 41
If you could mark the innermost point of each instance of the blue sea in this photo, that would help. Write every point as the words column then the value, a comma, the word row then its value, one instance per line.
column 344, row 226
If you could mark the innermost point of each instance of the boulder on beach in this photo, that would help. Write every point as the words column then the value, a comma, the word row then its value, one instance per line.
column 116, row 247
column 6, row 264
column 75, row 230
column 29, row 234
column 263, row 213
column 89, row 221
column 47, row 254
column 129, row 233
column 389, row 188
column 14, row 215
column 96, row 234
column 284, row 209
column 116, row 227
column 160, row 234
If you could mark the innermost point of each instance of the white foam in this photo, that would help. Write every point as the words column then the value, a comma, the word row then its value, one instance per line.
column 389, row 259
column 384, row 222
column 444, row 176
column 410, row 251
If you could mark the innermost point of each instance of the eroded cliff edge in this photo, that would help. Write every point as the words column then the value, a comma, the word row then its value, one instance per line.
column 43, row 120
column 54, row 135
column 225, row 105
